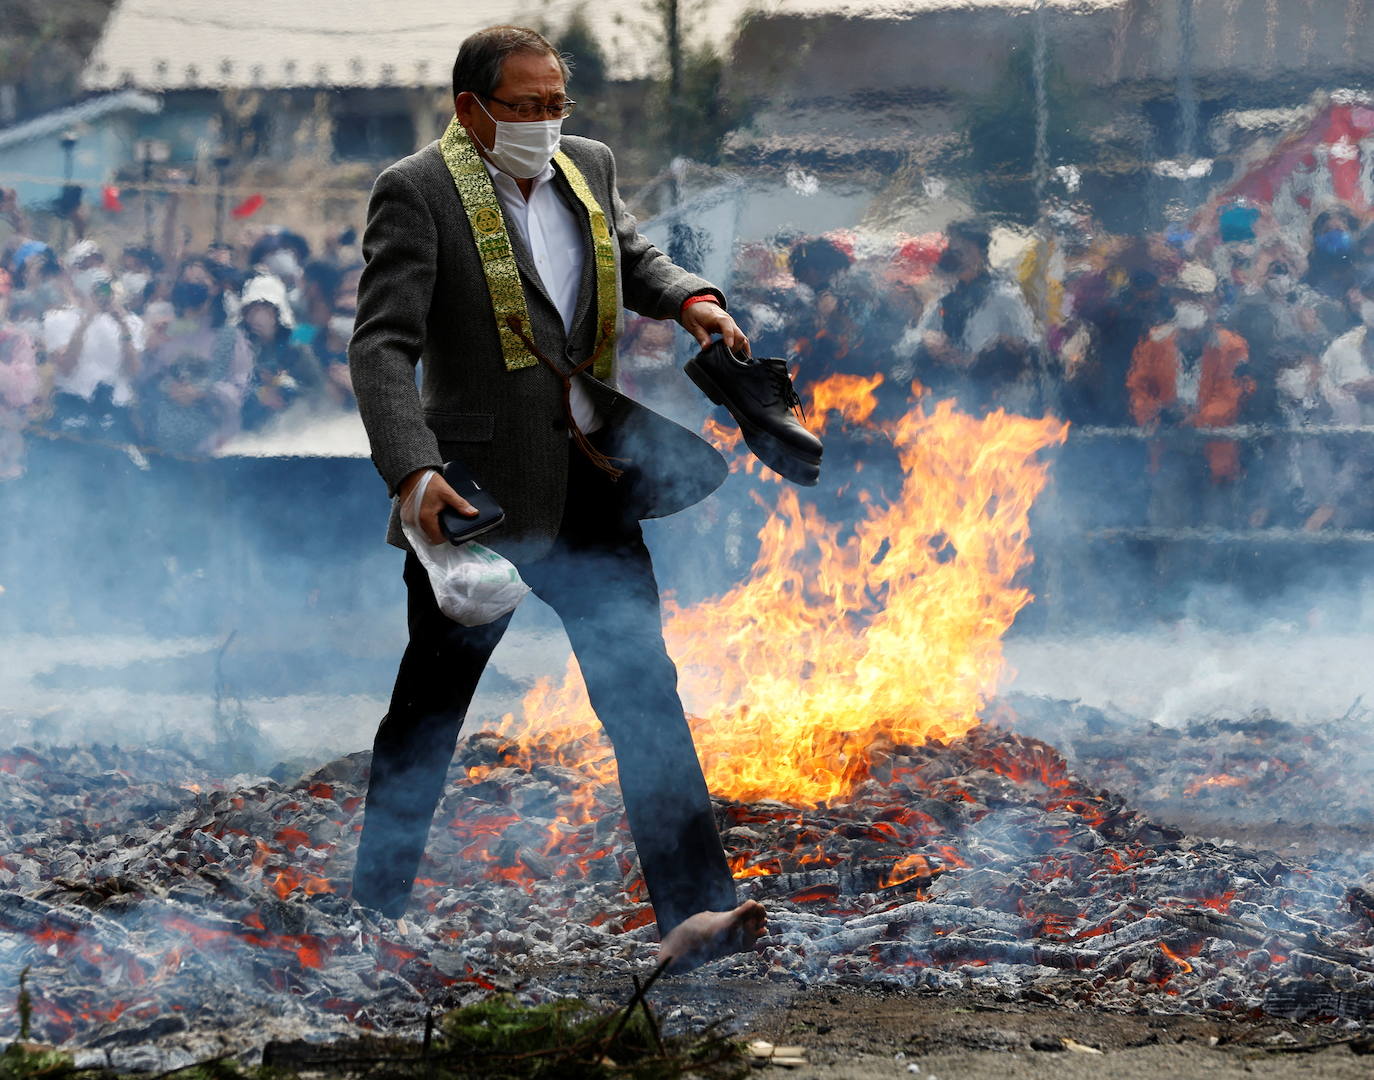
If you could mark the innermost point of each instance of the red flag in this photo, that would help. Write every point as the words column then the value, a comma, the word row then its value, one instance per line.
column 109, row 199
column 248, row 207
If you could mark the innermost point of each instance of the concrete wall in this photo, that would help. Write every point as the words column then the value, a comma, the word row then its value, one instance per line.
column 102, row 147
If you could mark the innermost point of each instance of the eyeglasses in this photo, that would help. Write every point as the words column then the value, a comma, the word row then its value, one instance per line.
column 536, row 110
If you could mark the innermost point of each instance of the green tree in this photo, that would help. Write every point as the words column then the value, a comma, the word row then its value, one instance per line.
column 44, row 44
column 589, row 61
column 1002, row 132
column 697, row 111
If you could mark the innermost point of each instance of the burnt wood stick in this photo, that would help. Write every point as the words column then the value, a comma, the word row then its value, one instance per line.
column 848, row 880
column 846, row 941
column 1215, row 924
column 649, row 1017
column 1152, row 927
column 1361, row 902
column 638, row 996
column 1306, row 963
column 208, row 1065
column 956, row 947
column 1300, row 999
column 28, row 915
column 1118, row 963
column 929, row 912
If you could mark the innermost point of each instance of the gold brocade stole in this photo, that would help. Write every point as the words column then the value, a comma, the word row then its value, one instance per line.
column 483, row 209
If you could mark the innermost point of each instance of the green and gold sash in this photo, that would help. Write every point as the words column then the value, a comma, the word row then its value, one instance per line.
column 498, row 257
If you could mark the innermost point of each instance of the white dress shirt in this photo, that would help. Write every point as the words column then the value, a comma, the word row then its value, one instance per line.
column 1346, row 361
column 550, row 232
column 102, row 352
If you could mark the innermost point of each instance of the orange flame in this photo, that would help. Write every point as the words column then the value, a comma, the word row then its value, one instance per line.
column 740, row 867
column 288, row 879
column 724, row 439
column 1219, row 780
column 887, row 631
column 905, row 869
column 849, row 395
column 1183, row 965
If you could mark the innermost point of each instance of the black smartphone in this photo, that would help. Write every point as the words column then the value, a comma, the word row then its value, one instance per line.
column 457, row 528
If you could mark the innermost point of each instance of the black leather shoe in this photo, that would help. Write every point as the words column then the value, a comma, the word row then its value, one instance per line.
column 759, row 394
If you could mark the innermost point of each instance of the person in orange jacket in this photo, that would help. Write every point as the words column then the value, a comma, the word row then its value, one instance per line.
column 1191, row 372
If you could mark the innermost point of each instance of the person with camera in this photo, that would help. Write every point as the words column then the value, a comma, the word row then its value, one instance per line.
column 95, row 346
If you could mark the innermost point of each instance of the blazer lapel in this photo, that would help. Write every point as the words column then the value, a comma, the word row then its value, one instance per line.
column 586, row 289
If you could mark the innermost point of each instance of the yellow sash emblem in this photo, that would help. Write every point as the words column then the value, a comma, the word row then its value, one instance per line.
column 486, row 220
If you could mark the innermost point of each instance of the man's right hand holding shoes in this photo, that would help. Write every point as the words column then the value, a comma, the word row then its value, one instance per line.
column 758, row 393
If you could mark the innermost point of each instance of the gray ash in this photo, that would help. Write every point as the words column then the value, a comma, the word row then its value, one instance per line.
column 157, row 905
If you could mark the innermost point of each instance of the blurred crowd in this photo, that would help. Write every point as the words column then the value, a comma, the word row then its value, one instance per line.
column 1217, row 368
column 1148, row 345
column 173, row 354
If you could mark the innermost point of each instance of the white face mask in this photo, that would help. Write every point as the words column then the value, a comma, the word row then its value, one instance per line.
column 1293, row 382
column 84, row 280
column 523, row 149
column 1367, row 312
column 1190, row 316
column 283, row 263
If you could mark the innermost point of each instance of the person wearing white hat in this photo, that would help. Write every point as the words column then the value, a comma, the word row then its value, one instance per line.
column 283, row 373
column 86, row 262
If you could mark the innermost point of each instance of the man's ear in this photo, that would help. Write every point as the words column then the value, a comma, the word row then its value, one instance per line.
column 463, row 106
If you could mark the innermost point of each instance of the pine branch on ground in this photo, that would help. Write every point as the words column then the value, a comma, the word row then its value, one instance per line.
column 496, row 1039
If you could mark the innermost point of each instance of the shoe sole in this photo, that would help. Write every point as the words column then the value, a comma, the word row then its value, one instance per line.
column 774, row 446
column 777, row 456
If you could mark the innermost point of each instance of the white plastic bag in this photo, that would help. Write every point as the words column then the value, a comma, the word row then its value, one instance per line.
column 472, row 584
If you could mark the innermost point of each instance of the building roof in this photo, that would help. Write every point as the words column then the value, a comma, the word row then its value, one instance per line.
column 185, row 44
column 50, row 123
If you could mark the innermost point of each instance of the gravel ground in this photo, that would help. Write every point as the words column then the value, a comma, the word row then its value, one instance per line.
column 875, row 1034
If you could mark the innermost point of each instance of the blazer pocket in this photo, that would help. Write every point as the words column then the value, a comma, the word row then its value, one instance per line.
column 461, row 427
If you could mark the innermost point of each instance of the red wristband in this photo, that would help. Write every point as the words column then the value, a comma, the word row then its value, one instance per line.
column 696, row 300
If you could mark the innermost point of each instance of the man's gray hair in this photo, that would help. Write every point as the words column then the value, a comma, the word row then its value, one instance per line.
column 482, row 55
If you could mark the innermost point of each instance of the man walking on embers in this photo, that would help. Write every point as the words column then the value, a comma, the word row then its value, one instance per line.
column 502, row 255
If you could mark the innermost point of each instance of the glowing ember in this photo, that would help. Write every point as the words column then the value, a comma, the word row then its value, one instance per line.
column 288, row 879
column 1183, row 965
column 844, row 639
column 740, row 867
column 905, row 869
column 1221, row 780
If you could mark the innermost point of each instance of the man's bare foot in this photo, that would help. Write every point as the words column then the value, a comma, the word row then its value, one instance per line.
column 711, row 934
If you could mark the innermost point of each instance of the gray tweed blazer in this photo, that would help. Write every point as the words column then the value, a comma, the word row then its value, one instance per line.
column 423, row 298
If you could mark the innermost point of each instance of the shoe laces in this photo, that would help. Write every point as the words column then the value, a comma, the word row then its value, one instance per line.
column 776, row 368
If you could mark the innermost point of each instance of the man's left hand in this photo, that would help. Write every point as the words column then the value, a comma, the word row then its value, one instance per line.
column 704, row 319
